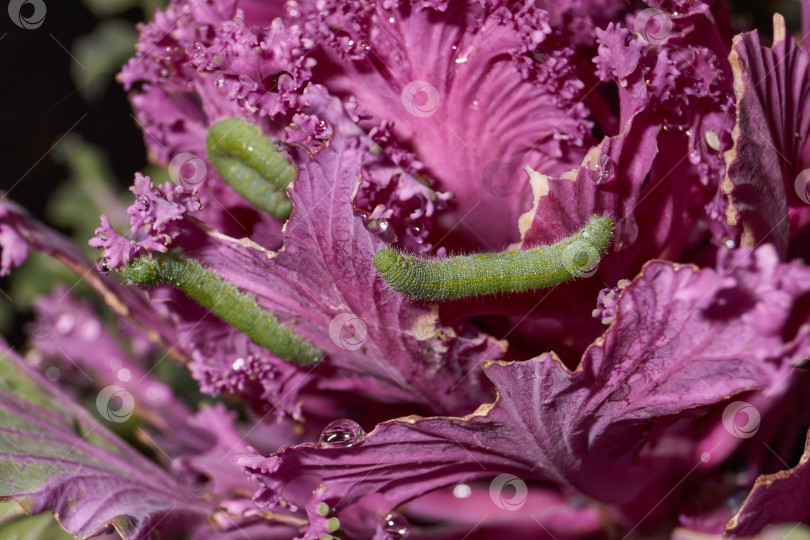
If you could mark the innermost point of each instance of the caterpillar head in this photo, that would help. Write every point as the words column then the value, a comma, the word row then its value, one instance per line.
column 143, row 271
column 385, row 259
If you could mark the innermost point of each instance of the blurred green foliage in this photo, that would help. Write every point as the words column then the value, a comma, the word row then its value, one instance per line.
column 16, row 524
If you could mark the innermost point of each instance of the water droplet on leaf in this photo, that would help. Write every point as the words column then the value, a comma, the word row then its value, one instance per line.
column 395, row 526
column 462, row 491
column 250, row 84
column 604, row 171
column 378, row 226
column 197, row 50
column 102, row 265
column 342, row 434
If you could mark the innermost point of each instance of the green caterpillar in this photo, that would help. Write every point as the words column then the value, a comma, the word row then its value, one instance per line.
column 249, row 162
column 223, row 299
column 489, row 273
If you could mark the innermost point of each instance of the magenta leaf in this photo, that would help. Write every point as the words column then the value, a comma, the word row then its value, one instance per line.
column 771, row 132
column 682, row 340
column 781, row 497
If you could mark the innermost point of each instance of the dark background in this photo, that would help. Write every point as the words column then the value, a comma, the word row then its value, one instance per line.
column 40, row 103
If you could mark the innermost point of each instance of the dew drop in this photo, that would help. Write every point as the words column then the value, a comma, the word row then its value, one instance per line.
column 395, row 526
column 220, row 82
column 197, row 50
column 102, row 265
column 605, row 170
column 729, row 243
column 694, row 156
column 322, row 125
column 143, row 200
column 238, row 364
column 461, row 491
column 342, row 434
column 378, row 226
column 249, row 83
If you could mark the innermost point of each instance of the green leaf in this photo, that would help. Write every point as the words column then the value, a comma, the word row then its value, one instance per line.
column 249, row 162
column 55, row 456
